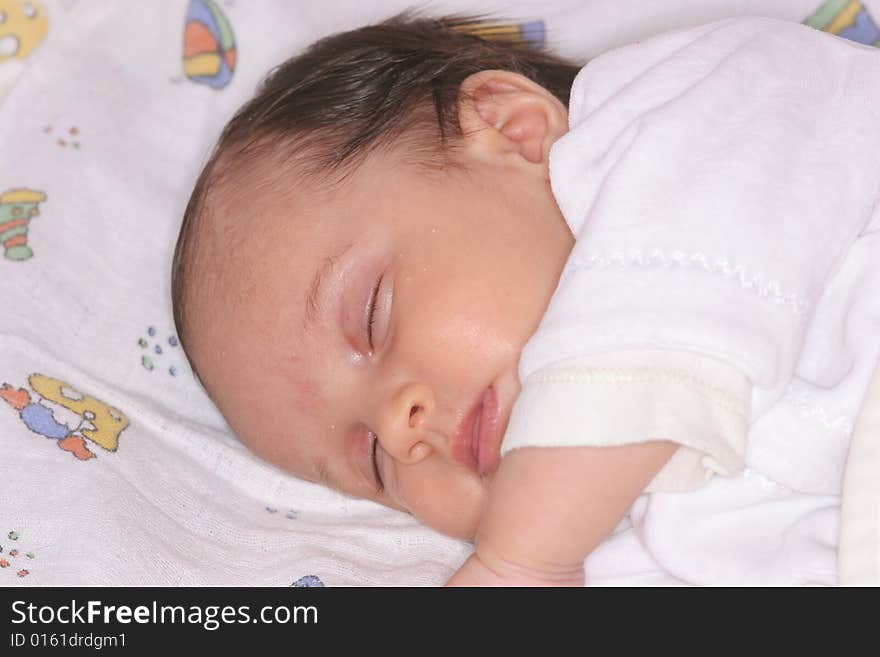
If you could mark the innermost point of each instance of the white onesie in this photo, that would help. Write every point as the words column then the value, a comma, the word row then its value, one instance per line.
column 715, row 180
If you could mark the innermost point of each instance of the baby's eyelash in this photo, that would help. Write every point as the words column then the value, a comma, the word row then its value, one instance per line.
column 380, row 483
column 371, row 317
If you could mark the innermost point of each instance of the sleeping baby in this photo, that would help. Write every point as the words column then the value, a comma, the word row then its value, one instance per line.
column 508, row 295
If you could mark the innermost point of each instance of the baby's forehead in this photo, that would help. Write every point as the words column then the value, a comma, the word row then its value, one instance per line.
column 248, row 189
column 262, row 220
column 244, row 209
column 242, row 187
column 266, row 206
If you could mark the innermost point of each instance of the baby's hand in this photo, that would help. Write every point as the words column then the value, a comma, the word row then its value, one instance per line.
column 474, row 572
column 549, row 507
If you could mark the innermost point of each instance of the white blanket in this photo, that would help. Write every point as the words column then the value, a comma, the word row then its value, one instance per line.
column 114, row 466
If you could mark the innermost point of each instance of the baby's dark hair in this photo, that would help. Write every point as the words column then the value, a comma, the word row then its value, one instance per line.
column 395, row 83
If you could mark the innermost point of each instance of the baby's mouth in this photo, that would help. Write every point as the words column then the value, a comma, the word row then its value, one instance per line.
column 478, row 441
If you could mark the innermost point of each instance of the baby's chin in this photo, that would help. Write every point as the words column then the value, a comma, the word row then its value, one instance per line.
column 460, row 533
column 454, row 520
column 459, row 526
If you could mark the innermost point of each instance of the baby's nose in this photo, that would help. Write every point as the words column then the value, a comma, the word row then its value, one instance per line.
column 403, row 422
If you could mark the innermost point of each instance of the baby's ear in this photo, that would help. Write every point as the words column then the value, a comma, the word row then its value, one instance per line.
column 504, row 113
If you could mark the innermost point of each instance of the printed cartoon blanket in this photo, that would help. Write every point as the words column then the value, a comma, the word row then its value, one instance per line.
column 114, row 466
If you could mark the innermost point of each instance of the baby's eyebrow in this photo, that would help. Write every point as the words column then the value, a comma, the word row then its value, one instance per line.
column 314, row 297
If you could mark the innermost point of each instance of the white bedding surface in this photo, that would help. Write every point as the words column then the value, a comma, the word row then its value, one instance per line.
column 860, row 514
column 103, row 133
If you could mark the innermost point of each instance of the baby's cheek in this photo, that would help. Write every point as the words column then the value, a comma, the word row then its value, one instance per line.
column 299, row 388
column 445, row 499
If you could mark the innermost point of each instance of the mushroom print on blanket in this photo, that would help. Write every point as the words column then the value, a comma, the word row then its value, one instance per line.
column 60, row 412
column 849, row 19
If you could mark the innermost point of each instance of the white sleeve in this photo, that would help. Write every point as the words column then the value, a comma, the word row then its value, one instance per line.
column 636, row 396
column 714, row 179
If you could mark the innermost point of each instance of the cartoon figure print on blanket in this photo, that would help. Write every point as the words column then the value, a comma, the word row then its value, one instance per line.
column 17, row 208
column 208, row 45
column 93, row 420
column 848, row 19
column 23, row 25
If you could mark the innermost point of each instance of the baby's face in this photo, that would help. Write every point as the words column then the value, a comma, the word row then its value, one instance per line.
column 393, row 310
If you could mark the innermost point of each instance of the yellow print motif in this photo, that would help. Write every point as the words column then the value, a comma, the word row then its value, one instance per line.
column 108, row 422
column 23, row 25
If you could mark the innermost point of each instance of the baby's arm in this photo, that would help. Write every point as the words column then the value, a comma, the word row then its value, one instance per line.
column 549, row 507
